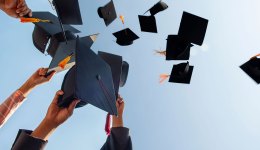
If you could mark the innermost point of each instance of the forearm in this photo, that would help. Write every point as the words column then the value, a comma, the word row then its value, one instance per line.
column 26, row 88
column 44, row 130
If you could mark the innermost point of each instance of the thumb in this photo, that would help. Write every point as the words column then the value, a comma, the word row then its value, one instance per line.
column 72, row 106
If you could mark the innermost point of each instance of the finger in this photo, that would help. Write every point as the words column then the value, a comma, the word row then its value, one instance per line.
column 21, row 3
column 21, row 9
column 42, row 71
column 30, row 13
column 24, row 12
column 49, row 77
column 56, row 97
column 72, row 106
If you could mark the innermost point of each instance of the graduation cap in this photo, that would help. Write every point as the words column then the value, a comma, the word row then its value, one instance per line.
column 108, row 13
column 177, row 48
column 252, row 68
column 118, row 67
column 68, row 11
column 89, row 80
column 158, row 7
column 125, row 37
column 43, row 31
column 181, row 73
column 148, row 23
column 193, row 28
column 67, row 51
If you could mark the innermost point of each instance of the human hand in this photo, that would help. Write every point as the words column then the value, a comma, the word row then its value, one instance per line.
column 16, row 8
column 118, row 120
column 55, row 116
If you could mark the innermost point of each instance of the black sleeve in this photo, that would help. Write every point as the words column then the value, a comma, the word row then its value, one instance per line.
column 119, row 139
column 24, row 141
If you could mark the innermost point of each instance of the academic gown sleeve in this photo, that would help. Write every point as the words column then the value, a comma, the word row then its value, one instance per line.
column 24, row 141
column 119, row 139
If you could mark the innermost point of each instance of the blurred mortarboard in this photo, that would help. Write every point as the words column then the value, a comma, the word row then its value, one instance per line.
column 252, row 69
column 177, row 48
column 89, row 80
column 125, row 37
column 61, row 50
column 181, row 73
column 68, row 11
column 118, row 67
column 158, row 7
column 44, row 31
column 108, row 13
column 148, row 24
column 193, row 28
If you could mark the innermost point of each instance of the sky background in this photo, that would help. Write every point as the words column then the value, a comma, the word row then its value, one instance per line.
column 219, row 110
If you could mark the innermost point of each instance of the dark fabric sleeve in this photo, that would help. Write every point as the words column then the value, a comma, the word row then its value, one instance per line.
column 119, row 139
column 24, row 141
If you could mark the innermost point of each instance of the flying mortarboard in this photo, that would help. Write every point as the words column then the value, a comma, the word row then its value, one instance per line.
column 118, row 67
column 125, row 37
column 177, row 48
column 181, row 73
column 108, row 13
column 158, row 7
column 148, row 23
column 89, row 80
column 252, row 68
column 44, row 31
column 193, row 28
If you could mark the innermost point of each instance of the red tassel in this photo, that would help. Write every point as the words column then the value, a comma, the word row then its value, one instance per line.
column 108, row 122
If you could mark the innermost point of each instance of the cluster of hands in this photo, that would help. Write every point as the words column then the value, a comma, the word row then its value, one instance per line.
column 56, row 115
column 15, row 8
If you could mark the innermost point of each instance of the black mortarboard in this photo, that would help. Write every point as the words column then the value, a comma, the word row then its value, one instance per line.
column 108, row 13
column 124, row 74
column 252, row 68
column 181, row 73
column 193, row 28
column 125, row 37
column 158, row 7
column 116, row 64
column 61, row 50
column 44, row 31
column 177, row 48
column 148, row 24
column 89, row 80
column 68, row 11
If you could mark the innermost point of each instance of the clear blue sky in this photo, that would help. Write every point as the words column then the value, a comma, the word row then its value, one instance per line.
column 219, row 110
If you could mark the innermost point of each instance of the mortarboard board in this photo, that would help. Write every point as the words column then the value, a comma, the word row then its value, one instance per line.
column 148, row 23
column 177, row 48
column 61, row 50
column 117, row 65
column 89, row 80
column 108, row 13
column 181, row 73
column 68, row 11
column 125, row 37
column 158, row 7
column 252, row 69
column 44, row 31
column 193, row 28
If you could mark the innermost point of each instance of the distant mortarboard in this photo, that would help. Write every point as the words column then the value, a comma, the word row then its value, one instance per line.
column 68, row 11
column 177, row 48
column 252, row 69
column 44, row 31
column 118, row 68
column 108, row 13
column 181, row 73
column 89, row 80
column 125, row 37
column 62, row 50
column 158, row 7
column 193, row 28
column 148, row 23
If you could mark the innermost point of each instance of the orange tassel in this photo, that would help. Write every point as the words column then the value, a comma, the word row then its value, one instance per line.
column 64, row 62
column 163, row 77
column 34, row 20
column 163, row 53
column 255, row 56
column 122, row 18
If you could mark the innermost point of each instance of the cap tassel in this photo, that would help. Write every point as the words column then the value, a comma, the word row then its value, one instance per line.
column 65, row 61
column 163, row 77
column 122, row 18
column 162, row 53
column 255, row 56
column 34, row 20
column 108, row 124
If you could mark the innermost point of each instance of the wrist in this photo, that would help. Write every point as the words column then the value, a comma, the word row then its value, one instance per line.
column 118, row 121
column 26, row 88
column 44, row 130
